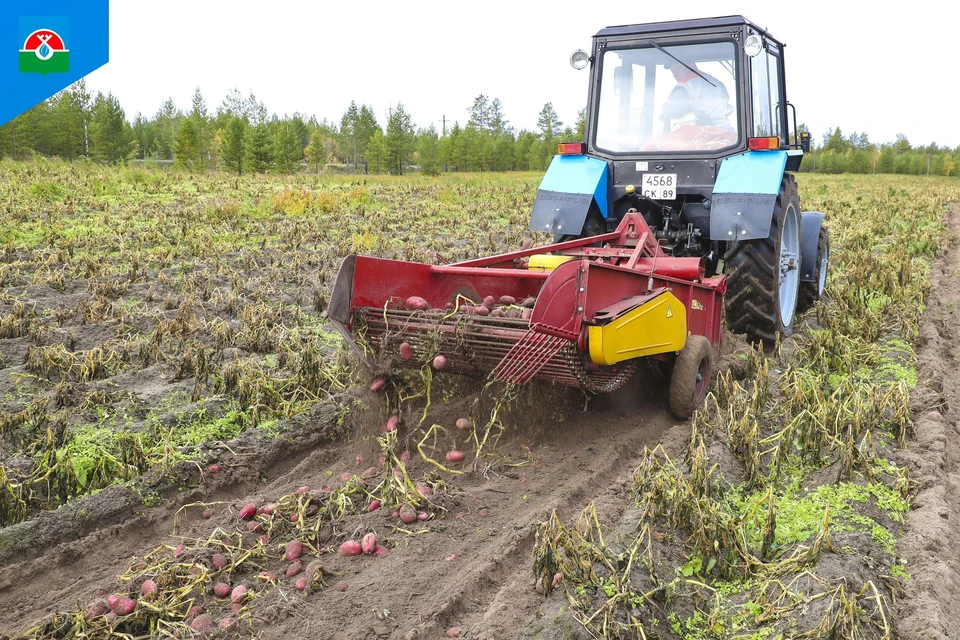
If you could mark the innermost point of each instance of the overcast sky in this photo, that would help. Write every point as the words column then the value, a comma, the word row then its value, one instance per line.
column 880, row 68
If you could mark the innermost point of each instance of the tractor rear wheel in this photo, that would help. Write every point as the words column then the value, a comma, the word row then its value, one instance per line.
column 593, row 225
column 690, row 377
column 763, row 275
column 810, row 292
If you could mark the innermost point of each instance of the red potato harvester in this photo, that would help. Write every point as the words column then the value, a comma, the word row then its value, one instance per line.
column 580, row 312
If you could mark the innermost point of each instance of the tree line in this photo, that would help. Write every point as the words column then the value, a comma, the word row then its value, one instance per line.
column 240, row 135
column 857, row 154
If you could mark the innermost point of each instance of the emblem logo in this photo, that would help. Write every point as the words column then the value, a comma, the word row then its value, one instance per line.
column 45, row 49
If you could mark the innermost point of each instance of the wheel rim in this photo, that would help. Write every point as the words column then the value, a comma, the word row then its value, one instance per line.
column 789, row 265
column 703, row 376
column 821, row 285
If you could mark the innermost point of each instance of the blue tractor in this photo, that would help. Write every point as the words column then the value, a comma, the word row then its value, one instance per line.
column 688, row 124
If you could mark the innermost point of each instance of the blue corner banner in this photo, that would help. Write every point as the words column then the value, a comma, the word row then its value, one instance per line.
column 47, row 46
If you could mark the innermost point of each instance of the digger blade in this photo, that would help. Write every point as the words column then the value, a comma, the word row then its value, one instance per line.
column 527, row 357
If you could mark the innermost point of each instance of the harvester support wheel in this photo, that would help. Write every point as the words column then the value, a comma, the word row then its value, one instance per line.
column 810, row 292
column 691, row 376
column 763, row 275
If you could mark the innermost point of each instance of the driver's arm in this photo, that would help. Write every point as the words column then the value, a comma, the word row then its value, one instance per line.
column 679, row 103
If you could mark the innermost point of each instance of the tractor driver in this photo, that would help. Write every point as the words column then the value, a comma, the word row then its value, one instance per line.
column 701, row 95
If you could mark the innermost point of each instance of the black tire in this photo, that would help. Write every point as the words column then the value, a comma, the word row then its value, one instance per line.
column 810, row 292
column 753, row 304
column 690, row 377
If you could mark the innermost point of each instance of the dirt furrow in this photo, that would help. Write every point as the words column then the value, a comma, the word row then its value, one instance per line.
column 928, row 608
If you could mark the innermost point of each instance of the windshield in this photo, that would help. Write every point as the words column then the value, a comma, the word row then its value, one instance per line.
column 670, row 98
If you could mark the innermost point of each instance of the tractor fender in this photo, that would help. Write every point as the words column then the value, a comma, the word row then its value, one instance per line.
column 810, row 223
column 745, row 194
column 571, row 185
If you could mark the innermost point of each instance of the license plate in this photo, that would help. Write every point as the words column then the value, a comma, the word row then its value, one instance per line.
column 660, row 186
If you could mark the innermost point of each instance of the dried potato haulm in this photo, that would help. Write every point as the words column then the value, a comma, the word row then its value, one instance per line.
column 790, row 474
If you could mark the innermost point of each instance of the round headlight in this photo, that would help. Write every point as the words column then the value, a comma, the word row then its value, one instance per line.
column 753, row 45
column 579, row 59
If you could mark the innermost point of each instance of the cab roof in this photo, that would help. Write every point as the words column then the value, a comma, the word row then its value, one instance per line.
column 681, row 25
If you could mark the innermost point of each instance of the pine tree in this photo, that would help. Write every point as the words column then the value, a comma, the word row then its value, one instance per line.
column 428, row 149
column 316, row 151
column 399, row 139
column 186, row 146
column 259, row 157
column 286, row 148
column 110, row 136
column 378, row 155
column 232, row 149
column 548, row 122
column 198, row 115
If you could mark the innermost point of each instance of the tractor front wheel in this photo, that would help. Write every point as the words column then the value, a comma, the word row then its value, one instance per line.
column 810, row 292
column 690, row 377
column 763, row 275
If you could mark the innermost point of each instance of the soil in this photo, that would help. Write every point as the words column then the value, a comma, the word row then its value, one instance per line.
column 468, row 567
column 928, row 608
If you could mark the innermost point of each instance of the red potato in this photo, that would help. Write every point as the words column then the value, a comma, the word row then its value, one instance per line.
column 341, row 586
column 302, row 490
column 125, row 606
column 507, row 300
column 263, row 539
column 378, row 384
column 148, row 588
column 97, row 609
column 267, row 509
column 439, row 363
column 255, row 527
column 488, row 302
column 423, row 515
column 481, row 311
column 453, row 632
column 313, row 567
column 526, row 314
column 345, row 476
column 267, row 577
column 111, row 617
column 497, row 313
column 381, row 550
column 556, row 578
column 202, row 624
column 350, row 548
column 236, row 607
column 455, row 456
column 248, row 511
column 464, row 424
column 312, row 510
column 207, row 514
column 373, row 506
column 369, row 543
column 294, row 569
column 406, row 351
column 294, row 550
column 424, row 489
column 178, row 550
column 221, row 590
column 370, row 472
column 392, row 423
column 213, row 468
column 407, row 514
column 113, row 600
column 301, row 584
column 239, row 594
column 294, row 517
column 226, row 622
column 528, row 302
column 195, row 611
column 405, row 456
column 416, row 303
